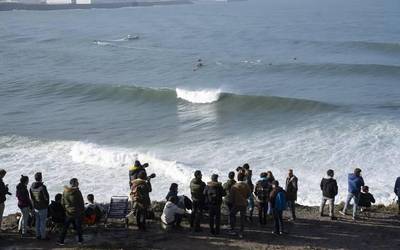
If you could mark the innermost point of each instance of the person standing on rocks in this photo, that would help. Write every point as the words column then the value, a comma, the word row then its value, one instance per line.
column 3, row 193
column 40, row 199
column 355, row 182
column 197, row 191
column 213, row 194
column 240, row 193
column 140, row 195
column 329, row 189
column 397, row 192
column 291, row 192
column 24, row 204
column 278, row 204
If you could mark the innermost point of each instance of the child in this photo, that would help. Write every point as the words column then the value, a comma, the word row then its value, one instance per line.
column 366, row 199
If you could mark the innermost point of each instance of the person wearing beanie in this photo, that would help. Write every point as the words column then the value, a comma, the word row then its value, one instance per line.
column 329, row 190
column 40, row 199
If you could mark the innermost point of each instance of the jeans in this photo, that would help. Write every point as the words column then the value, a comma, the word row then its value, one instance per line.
column 141, row 218
column 77, row 224
column 197, row 214
column 331, row 203
column 292, row 206
column 1, row 212
column 23, row 221
column 215, row 218
column 40, row 222
column 234, row 211
column 356, row 198
column 278, row 220
column 262, row 212
column 250, row 206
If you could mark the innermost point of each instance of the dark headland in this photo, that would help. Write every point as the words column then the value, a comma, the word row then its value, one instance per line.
column 6, row 6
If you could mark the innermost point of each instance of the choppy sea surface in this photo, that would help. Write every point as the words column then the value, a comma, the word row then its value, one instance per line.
column 308, row 85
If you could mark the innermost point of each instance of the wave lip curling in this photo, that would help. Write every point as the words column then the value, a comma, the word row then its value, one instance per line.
column 199, row 96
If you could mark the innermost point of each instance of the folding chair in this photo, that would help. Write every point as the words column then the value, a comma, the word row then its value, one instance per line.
column 118, row 209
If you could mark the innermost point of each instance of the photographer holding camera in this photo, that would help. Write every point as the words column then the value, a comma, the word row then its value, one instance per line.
column 140, row 190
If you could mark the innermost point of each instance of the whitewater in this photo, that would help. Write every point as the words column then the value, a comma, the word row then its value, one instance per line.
column 283, row 85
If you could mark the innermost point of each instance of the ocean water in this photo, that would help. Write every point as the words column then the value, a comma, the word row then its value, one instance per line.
column 308, row 85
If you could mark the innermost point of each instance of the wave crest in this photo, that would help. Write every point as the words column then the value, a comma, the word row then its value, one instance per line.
column 199, row 96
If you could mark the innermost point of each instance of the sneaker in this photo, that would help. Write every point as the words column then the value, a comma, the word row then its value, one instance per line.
column 275, row 233
column 342, row 213
column 60, row 243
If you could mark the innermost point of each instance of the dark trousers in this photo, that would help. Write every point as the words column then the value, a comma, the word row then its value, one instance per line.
column 262, row 212
column 292, row 206
column 141, row 218
column 77, row 224
column 234, row 211
column 278, row 221
column 197, row 214
column 215, row 218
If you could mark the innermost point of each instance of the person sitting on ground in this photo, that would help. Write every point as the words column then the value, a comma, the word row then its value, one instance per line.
column 56, row 211
column 93, row 211
column 329, row 191
column 291, row 192
column 197, row 191
column 397, row 192
column 248, row 179
column 40, row 199
column 3, row 192
column 366, row 198
column 24, row 203
column 172, row 214
column 135, row 169
column 140, row 190
column 355, row 182
column 74, row 206
column 278, row 203
column 240, row 193
column 262, row 190
column 213, row 194
column 173, row 191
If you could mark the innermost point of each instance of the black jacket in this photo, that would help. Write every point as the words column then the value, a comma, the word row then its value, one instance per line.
column 329, row 187
column 366, row 199
column 3, row 191
column 39, row 195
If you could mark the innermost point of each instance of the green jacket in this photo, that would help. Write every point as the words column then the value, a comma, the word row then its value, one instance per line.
column 73, row 203
column 196, row 189
column 140, row 193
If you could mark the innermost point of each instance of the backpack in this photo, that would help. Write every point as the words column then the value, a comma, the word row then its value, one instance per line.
column 280, row 201
column 262, row 190
column 212, row 196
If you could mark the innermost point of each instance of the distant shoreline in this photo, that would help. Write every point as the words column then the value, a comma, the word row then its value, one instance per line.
column 7, row 6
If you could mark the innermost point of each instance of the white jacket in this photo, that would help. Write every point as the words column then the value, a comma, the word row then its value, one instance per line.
column 169, row 212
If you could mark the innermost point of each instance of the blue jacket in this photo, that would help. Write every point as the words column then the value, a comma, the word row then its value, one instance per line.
column 397, row 187
column 355, row 183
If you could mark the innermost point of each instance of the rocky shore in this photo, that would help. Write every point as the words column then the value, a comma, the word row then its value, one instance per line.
column 381, row 230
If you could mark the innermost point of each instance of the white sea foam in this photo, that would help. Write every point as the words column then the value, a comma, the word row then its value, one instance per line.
column 199, row 96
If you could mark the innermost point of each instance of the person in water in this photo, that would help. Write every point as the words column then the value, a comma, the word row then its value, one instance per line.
column 329, row 190
column 355, row 182
column 40, row 199
column 198, row 65
column 24, row 204
column 213, row 194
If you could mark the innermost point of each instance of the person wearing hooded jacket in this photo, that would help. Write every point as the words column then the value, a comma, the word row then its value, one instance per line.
column 240, row 193
column 278, row 204
column 140, row 190
column 24, row 204
column 355, row 182
column 172, row 213
column 213, row 194
column 197, row 191
column 3, row 192
column 74, row 206
column 329, row 190
column 40, row 199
